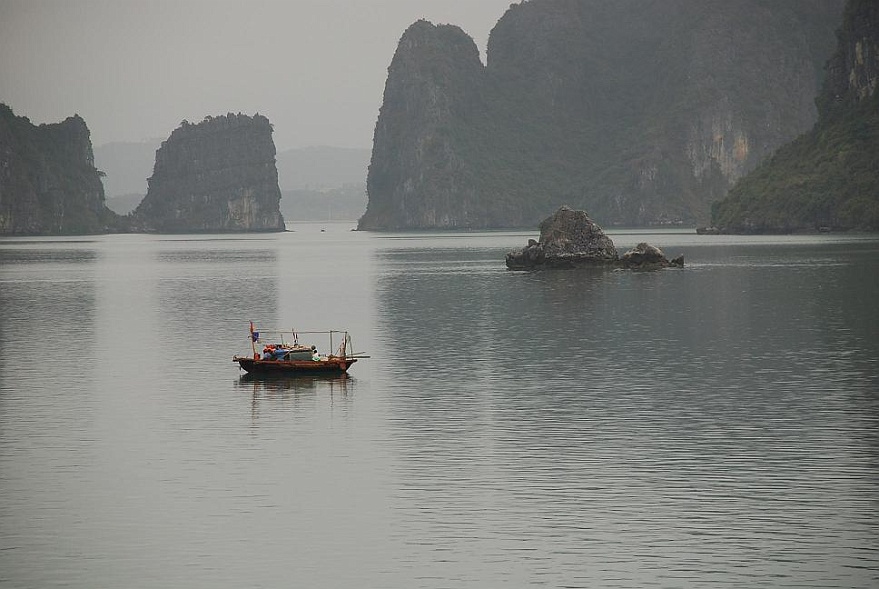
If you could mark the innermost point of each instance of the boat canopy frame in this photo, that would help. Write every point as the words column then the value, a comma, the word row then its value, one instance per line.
column 345, row 349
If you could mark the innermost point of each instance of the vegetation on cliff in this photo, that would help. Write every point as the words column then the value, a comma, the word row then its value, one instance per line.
column 48, row 181
column 215, row 176
column 829, row 177
column 643, row 113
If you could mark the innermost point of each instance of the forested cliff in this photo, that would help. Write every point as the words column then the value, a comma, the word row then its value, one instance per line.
column 829, row 177
column 215, row 176
column 48, row 181
column 641, row 112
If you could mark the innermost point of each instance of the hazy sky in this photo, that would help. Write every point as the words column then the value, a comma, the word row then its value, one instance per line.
column 133, row 69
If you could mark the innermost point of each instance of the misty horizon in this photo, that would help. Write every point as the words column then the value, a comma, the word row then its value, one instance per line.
column 134, row 70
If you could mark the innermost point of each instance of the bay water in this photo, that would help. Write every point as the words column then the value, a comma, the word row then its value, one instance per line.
column 716, row 425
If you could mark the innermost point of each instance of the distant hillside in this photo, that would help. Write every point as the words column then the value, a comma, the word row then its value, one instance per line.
column 126, row 166
column 123, row 204
column 317, row 169
column 641, row 112
column 346, row 203
column 321, row 168
column 48, row 181
column 323, row 183
column 829, row 177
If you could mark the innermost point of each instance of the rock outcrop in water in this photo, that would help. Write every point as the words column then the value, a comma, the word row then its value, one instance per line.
column 215, row 176
column 570, row 239
column 643, row 113
column 648, row 257
column 48, row 181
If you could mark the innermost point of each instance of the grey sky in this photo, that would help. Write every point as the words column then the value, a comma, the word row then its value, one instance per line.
column 133, row 69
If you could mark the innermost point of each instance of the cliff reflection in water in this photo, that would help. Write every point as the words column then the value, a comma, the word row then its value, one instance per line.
column 53, row 321
column 651, row 416
column 696, row 428
column 207, row 294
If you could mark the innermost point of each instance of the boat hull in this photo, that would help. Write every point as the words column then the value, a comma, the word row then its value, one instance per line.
column 333, row 365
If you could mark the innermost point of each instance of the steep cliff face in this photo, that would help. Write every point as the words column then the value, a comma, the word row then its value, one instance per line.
column 829, row 176
column 215, row 176
column 853, row 71
column 421, row 170
column 48, row 181
column 640, row 112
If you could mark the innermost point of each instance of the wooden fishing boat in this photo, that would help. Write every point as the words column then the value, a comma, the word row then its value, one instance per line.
column 282, row 354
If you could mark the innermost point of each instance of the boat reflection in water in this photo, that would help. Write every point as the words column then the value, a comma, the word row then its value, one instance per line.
column 279, row 391
column 278, row 382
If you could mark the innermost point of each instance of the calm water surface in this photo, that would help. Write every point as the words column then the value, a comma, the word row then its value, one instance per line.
column 711, row 426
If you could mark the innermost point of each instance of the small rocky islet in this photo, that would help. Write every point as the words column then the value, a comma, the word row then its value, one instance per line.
column 218, row 175
column 571, row 239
